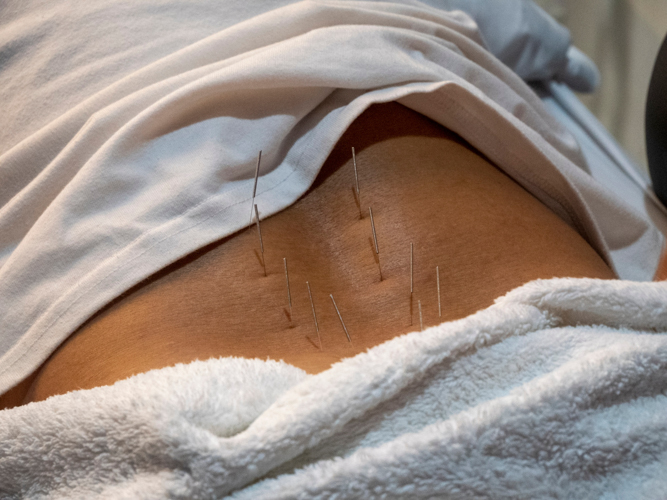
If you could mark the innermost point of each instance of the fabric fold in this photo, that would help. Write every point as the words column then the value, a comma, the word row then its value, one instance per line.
column 161, row 161
column 521, row 399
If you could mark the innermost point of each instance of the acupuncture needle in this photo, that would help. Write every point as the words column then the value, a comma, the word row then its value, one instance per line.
column 261, row 244
column 437, row 277
column 356, row 182
column 340, row 318
column 254, row 189
column 289, row 295
column 375, row 241
column 411, row 269
column 312, row 306
column 411, row 279
column 421, row 321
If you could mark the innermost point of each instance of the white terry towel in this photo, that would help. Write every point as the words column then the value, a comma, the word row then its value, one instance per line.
column 141, row 153
column 555, row 391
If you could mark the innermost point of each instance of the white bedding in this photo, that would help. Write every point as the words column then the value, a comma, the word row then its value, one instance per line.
column 133, row 131
column 556, row 391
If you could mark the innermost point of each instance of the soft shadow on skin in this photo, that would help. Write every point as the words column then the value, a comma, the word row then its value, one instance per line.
column 357, row 201
column 17, row 395
column 335, row 161
column 313, row 343
column 259, row 257
column 487, row 234
column 389, row 130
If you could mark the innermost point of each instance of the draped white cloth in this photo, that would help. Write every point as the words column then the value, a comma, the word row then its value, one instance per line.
column 131, row 132
column 556, row 391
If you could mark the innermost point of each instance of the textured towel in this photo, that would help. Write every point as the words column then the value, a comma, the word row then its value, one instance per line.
column 555, row 391
column 134, row 128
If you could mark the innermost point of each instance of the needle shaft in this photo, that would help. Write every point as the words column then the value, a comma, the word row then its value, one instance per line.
column 437, row 276
column 261, row 243
column 340, row 318
column 289, row 295
column 411, row 268
column 312, row 306
column 421, row 320
column 254, row 188
column 375, row 240
column 411, row 279
column 356, row 182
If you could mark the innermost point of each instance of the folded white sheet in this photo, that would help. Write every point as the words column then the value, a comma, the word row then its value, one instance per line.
column 555, row 391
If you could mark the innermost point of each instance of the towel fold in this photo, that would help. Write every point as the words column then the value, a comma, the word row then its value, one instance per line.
column 555, row 391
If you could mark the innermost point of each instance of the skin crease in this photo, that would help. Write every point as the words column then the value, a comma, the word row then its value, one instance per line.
column 425, row 185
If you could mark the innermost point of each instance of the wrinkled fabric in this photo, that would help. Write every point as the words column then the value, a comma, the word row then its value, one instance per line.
column 555, row 391
column 132, row 131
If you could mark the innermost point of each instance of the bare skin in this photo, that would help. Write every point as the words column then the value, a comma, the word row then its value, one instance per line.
column 425, row 185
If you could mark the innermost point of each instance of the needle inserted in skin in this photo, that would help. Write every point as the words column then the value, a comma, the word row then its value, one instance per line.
column 411, row 269
column 261, row 244
column 254, row 189
column 375, row 240
column 340, row 318
column 421, row 321
column 437, row 277
column 289, row 295
column 356, row 182
column 411, row 280
column 312, row 306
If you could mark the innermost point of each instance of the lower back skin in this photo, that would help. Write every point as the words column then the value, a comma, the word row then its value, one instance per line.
column 426, row 186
